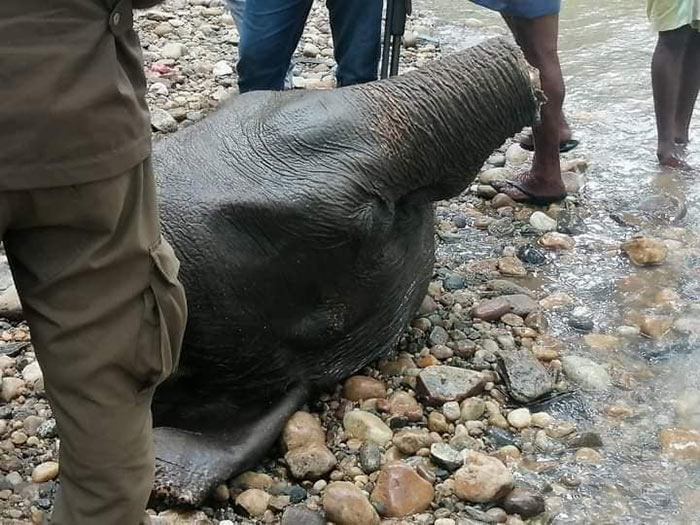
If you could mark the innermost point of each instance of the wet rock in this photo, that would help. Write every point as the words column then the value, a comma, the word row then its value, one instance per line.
column 556, row 241
column 688, row 325
column 525, row 377
column 443, row 455
column 45, row 472
column 542, row 222
column 370, row 458
column 400, row 491
column 573, row 182
column 556, row 300
column 655, row 326
column 511, row 266
column 645, row 251
column 502, row 200
column 560, row 429
column 570, row 223
column 491, row 309
column 581, row 319
column 547, row 348
column 584, row 440
column 440, row 384
column 482, row 478
column 524, row 503
column 357, row 388
column 588, row 456
column 681, row 443
column 587, row 373
column 10, row 307
column 301, row 515
column 520, row 418
column 163, row 121
column 366, row 427
column 495, row 175
column 521, row 304
column 412, row 440
column 472, row 409
column 531, row 254
column 505, row 287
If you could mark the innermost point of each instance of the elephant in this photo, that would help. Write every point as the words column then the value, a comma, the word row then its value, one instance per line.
column 304, row 223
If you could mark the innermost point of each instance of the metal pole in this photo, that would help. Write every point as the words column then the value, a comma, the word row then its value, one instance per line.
column 386, row 47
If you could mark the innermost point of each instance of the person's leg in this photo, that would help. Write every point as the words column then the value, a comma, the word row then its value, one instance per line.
column 690, row 85
column 666, row 68
column 356, row 27
column 538, row 39
column 271, row 32
column 99, row 289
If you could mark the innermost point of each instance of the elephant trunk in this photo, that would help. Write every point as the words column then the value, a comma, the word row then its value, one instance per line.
column 438, row 125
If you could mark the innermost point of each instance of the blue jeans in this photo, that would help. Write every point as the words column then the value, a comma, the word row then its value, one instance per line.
column 272, row 29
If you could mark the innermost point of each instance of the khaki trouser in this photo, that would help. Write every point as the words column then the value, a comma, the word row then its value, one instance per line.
column 99, row 289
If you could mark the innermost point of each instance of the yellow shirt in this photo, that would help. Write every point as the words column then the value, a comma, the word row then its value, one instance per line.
column 666, row 15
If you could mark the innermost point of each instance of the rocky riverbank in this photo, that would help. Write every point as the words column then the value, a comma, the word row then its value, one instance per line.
column 461, row 424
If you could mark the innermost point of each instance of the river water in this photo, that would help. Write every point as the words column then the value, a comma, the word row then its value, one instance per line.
column 605, row 50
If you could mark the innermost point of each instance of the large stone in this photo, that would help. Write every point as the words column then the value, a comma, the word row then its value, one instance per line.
column 491, row 309
column 10, row 307
column 400, row 491
column 357, row 388
column 362, row 425
column 412, row 440
column 439, row 384
column 345, row 504
column 680, row 443
column 45, row 472
column 301, row 430
column 301, row 515
column 310, row 462
column 482, row 478
column 525, row 377
column 645, row 251
column 523, row 502
column 254, row 501
column 587, row 373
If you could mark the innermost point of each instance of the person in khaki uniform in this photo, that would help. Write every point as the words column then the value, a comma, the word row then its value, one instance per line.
column 79, row 221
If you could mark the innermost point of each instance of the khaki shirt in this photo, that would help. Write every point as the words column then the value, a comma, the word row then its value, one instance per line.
column 72, row 92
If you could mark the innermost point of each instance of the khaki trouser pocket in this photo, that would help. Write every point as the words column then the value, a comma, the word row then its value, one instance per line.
column 165, row 316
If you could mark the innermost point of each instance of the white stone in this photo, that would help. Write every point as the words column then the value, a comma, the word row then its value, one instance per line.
column 222, row 69
column 520, row 418
column 172, row 50
column 587, row 373
column 542, row 222
column 367, row 427
column 451, row 410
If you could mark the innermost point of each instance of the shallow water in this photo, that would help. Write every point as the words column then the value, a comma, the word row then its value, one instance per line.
column 606, row 50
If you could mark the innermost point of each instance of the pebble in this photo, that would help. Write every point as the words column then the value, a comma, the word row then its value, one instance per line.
column 11, row 388
column 172, row 50
column 581, row 319
column 10, row 306
column 254, row 501
column 412, row 440
column 345, row 504
column 370, row 458
column 495, row 175
column 366, row 427
column 443, row 455
column 531, row 254
column 515, row 155
column 310, row 461
column 440, row 384
column 501, row 200
column 519, row 418
column 301, row 430
column 438, row 423
column 400, row 491
column 472, row 409
column 542, row 222
column 556, row 300
column 556, row 241
column 45, row 472
column 602, row 341
column 541, row 419
column 588, row 456
column 401, row 404
column 645, row 251
column 357, row 388
column 524, row 503
column 252, row 480
column 482, row 479
column 587, row 373
column 451, row 410
column 222, row 69
column 32, row 374
column 521, row 304
column 525, row 377
column 163, row 121
column 681, row 443
column 300, row 515
column 655, row 326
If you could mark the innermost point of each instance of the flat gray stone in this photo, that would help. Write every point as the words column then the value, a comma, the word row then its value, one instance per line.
column 525, row 377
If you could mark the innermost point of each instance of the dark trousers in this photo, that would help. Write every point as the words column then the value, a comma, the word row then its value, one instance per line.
column 272, row 29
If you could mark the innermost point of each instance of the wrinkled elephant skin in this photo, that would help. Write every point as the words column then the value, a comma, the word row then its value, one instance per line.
column 304, row 224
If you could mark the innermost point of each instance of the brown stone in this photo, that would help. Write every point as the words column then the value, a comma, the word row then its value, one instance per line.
column 482, row 478
column 411, row 441
column 302, row 430
column 254, row 501
column 511, row 266
column 602, row 341
column 401, row 491
column 556, row 241
column 655, row 326
column 345, row 504
column 45, row 472
column 357, row 388
column 645, row 251
column 681, row 444
column 491, row 309
column 501, row 200
column 310, row 462
column 401, row 404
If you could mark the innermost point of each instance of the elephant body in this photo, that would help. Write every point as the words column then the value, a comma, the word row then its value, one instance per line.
column 304, row 226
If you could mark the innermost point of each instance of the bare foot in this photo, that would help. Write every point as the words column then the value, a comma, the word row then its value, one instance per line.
column 529, row 187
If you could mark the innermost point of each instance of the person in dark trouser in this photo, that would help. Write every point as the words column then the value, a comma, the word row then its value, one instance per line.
column 272, row 29
column 535, row 27
column 79, row 222
column 675, row 75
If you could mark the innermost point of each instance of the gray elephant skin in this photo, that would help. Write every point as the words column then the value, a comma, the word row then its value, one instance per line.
column 304, row 225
